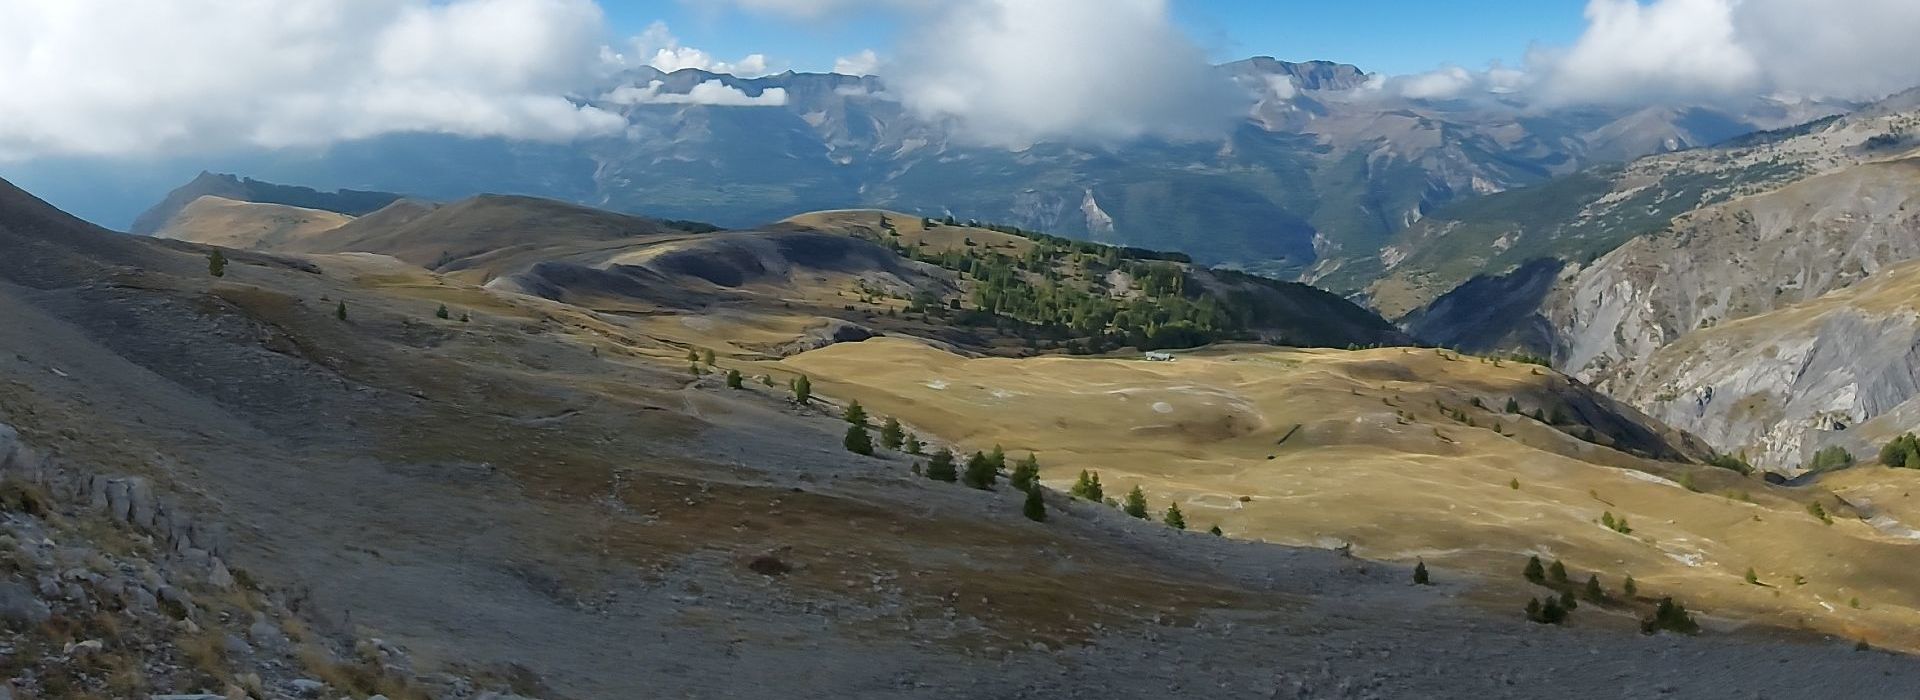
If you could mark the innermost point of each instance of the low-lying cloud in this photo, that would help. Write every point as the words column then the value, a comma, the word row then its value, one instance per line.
column 106, row 77
column 1012, row 72
column 712, row 92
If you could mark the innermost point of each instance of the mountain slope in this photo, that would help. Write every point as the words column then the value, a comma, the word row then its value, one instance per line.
column 1839, row 369
column 492, row 499
column 347, row 202
column 228, row 223
column 1581, row 217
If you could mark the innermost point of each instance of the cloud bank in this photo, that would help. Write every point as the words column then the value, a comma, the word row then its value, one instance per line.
column 1695, row 50
column 1012, row 72
column 712, row 92
column 115, row 78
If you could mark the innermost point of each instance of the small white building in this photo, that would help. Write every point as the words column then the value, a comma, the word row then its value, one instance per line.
column 1160, row 357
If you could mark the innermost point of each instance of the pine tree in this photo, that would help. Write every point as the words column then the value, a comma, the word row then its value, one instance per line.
column 979, row 474
column 855, row 414
column 1535, row 572
column 940, row 467
column 1215, row 531
column 1568, row 602
column 1026, row 474
column 217, row 263
column 915, row 469
column 1420, row 574
column 693, row 355
column 891, row 436
column 1174, row 518
column 997, row 458
column 1594, row 592
column 802, row 389
column 1513, row 406
column 706, row 357
column 1088, row 487
column 913, row 444
column 1606, row 519
column 442, row 313
column 1533, row 609
column 1514, row 484
column 1629, row 587
column 1035, row 507
column 733, row 379
column 858, row 441
column 1136, row 504
column 1558, row 572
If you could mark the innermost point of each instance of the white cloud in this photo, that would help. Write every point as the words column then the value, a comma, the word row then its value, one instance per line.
column 1011, row 72
column 864, row 63
column 659, row 48
column 711, row 92
column 1706, row 49
column 108, row 77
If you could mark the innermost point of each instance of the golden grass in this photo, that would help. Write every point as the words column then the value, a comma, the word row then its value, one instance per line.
column 1206, row 431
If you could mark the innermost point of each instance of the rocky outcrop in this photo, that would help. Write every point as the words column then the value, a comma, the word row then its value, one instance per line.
column 1732, row 261
column 107, row 572
column 1843, row 370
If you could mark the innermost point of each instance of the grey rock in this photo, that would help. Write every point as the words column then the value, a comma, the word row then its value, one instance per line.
column 306, row 687
column 19, row 605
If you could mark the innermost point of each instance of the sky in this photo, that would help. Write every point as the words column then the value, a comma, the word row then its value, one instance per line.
column 1385, row 36
column 117, row 79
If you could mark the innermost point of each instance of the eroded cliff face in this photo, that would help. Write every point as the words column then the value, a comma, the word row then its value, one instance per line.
column 1843, row 369
column 1732, row 261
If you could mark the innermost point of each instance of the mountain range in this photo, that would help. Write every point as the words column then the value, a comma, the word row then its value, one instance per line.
column 1328, row 164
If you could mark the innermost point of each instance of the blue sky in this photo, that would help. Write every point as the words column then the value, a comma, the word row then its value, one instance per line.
column 1383, row 36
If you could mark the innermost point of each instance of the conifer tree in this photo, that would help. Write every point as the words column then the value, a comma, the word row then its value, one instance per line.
column 891, row 435
column 1174, row 518
column 1514, row 484
column 997, row 458
column 1558, row 572
column 1629, row 587
column 802, row 389
column 1567, row 601
column 1533, row 609
column 1035, row 507
column 1534, row 571
column 706, row 357
column 1594, row 592
column 694, row 369
column 915, row 469
column 940, row 467
column 855, row 413
column 465, row 318
column 1026, row 473
column 913, row 444
column 1513, row 405
column 1752, row 576
column 1136, row 504
column 1420, row 574
column 340, row 312
column 693, row 355
column 442, row 313
column 217, row 263
column 733, row 379
column 1088, row 487
column 979, row 473
column 858, row 441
